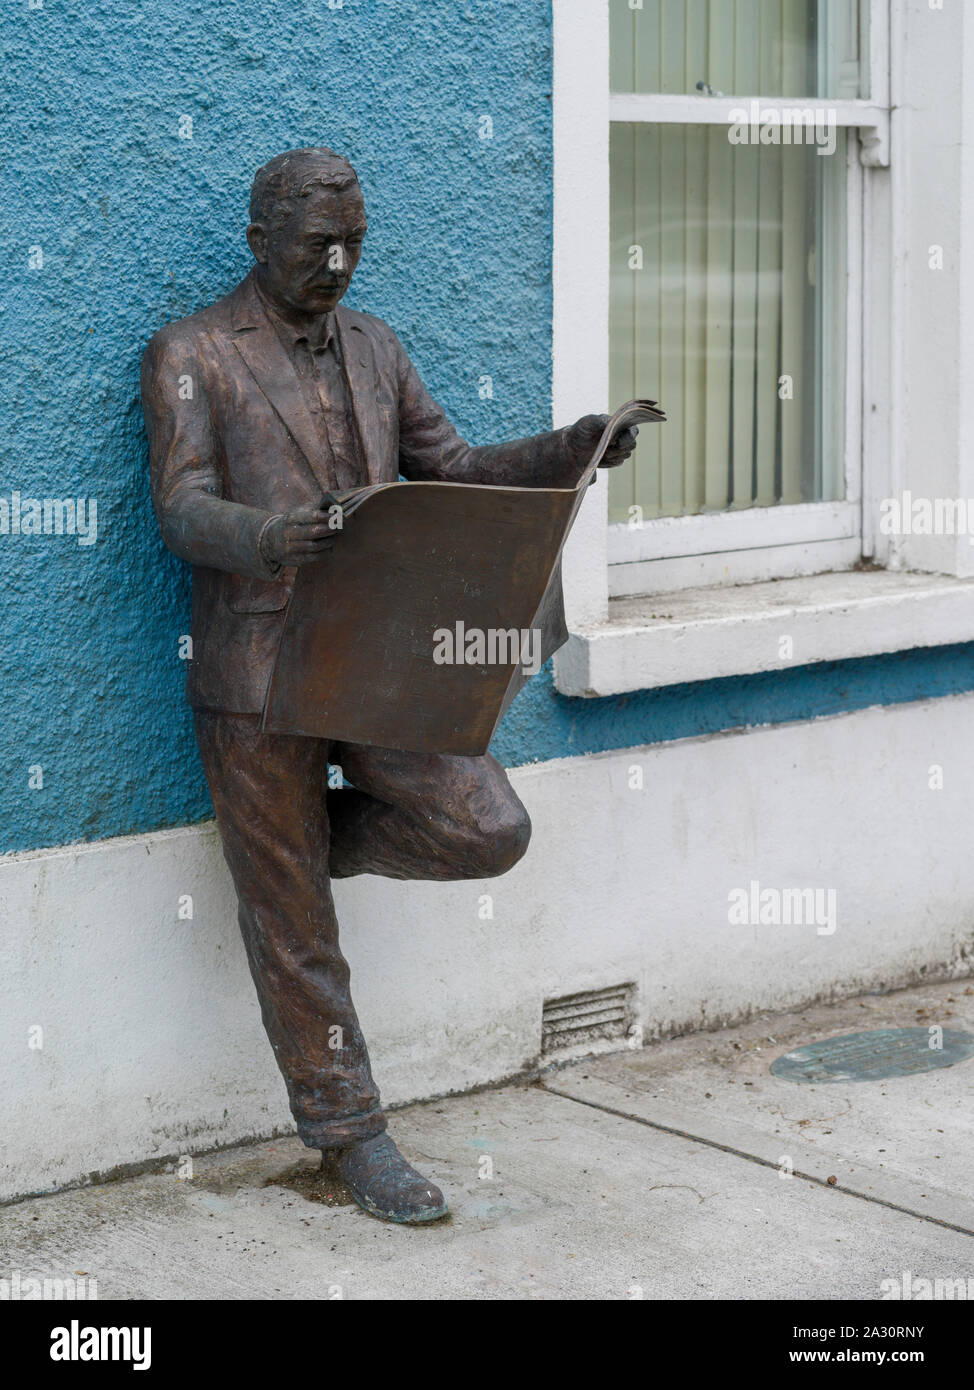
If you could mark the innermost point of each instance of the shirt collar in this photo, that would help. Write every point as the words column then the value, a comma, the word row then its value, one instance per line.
column 324, row 336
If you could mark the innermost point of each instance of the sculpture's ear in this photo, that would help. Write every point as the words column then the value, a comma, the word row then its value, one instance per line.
column 257, row 241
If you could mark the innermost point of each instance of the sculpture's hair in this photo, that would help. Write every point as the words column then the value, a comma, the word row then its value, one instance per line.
column 287, row 177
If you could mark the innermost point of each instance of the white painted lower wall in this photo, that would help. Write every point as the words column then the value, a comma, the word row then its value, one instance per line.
column 152, row 1042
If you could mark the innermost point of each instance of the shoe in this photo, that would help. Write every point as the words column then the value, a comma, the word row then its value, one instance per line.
column 385, row 1185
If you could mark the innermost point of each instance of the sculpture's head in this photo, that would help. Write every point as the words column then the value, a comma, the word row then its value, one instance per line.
column 307, row 222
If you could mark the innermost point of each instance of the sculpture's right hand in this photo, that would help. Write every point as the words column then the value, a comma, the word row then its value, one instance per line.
column 299, row 537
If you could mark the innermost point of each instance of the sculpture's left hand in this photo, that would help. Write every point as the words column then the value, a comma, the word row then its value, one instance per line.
column 586, row 432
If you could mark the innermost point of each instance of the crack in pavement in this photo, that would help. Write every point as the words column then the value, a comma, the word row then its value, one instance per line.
column 753, row 1158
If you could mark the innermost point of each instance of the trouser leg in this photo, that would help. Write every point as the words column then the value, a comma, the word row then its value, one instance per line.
column 269, row 793
column 426, row 816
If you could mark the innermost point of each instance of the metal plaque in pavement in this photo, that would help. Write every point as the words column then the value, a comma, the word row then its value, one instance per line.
column 876, row 1056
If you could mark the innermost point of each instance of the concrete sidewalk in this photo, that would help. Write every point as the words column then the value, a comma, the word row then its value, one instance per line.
column 654, row 1174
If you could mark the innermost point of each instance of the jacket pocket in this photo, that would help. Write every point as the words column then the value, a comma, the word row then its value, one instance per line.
column 245, row 595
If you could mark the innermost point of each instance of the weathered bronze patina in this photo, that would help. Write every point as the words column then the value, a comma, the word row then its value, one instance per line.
column 453, row 590
column 255, row 407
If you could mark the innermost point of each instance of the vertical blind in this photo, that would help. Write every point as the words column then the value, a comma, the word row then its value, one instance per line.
column 791, row 48
column 728, row 266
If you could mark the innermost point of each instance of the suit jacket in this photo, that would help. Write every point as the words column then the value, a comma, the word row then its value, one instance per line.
column 232, row 444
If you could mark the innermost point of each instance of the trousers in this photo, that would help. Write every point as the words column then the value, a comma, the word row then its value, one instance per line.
column 286, row 835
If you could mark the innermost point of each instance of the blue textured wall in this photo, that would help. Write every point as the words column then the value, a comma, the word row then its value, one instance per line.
column 138, row 227
column 543, row 724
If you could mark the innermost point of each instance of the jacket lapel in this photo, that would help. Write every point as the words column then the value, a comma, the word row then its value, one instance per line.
column 360, row 369
column 253, row 335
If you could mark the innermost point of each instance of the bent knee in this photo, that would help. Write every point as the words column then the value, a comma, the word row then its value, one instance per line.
column 499, row 843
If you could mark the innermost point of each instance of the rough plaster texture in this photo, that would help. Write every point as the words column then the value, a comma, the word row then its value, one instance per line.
column 138, row 227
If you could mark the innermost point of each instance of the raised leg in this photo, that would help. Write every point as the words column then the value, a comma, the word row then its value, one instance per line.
column 424, row 816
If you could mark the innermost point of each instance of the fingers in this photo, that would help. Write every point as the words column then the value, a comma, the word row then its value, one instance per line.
column 594, row 425
column 306, row 534
column 310, row 532
column 621, row 448
column 307, row 522
column 316, row 547
column 625, row 439
column 307, row 529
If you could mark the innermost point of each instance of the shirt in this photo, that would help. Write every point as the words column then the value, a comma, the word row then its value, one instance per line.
column 327, row 395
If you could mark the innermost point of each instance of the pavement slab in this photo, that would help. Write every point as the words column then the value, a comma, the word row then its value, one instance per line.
column 907, row 1141
column 616, row 1178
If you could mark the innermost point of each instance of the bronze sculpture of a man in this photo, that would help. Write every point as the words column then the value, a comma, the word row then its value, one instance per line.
column 255, row 407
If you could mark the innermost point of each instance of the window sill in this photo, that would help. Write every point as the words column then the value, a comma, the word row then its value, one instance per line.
column 703, row 634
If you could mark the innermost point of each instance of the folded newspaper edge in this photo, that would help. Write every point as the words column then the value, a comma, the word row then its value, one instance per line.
column 636, row 412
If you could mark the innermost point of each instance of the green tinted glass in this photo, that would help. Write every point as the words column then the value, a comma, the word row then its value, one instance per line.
column 728, row 305
column 792, row 48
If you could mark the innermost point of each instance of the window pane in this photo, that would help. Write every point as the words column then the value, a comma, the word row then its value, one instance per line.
column 791, row 48
column 728, row 298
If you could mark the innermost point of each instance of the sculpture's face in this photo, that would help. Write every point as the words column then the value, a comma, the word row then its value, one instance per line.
column 309, row 261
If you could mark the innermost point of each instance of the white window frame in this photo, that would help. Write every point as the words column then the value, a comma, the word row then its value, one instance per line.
column 769, row 542
column 916, row 427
